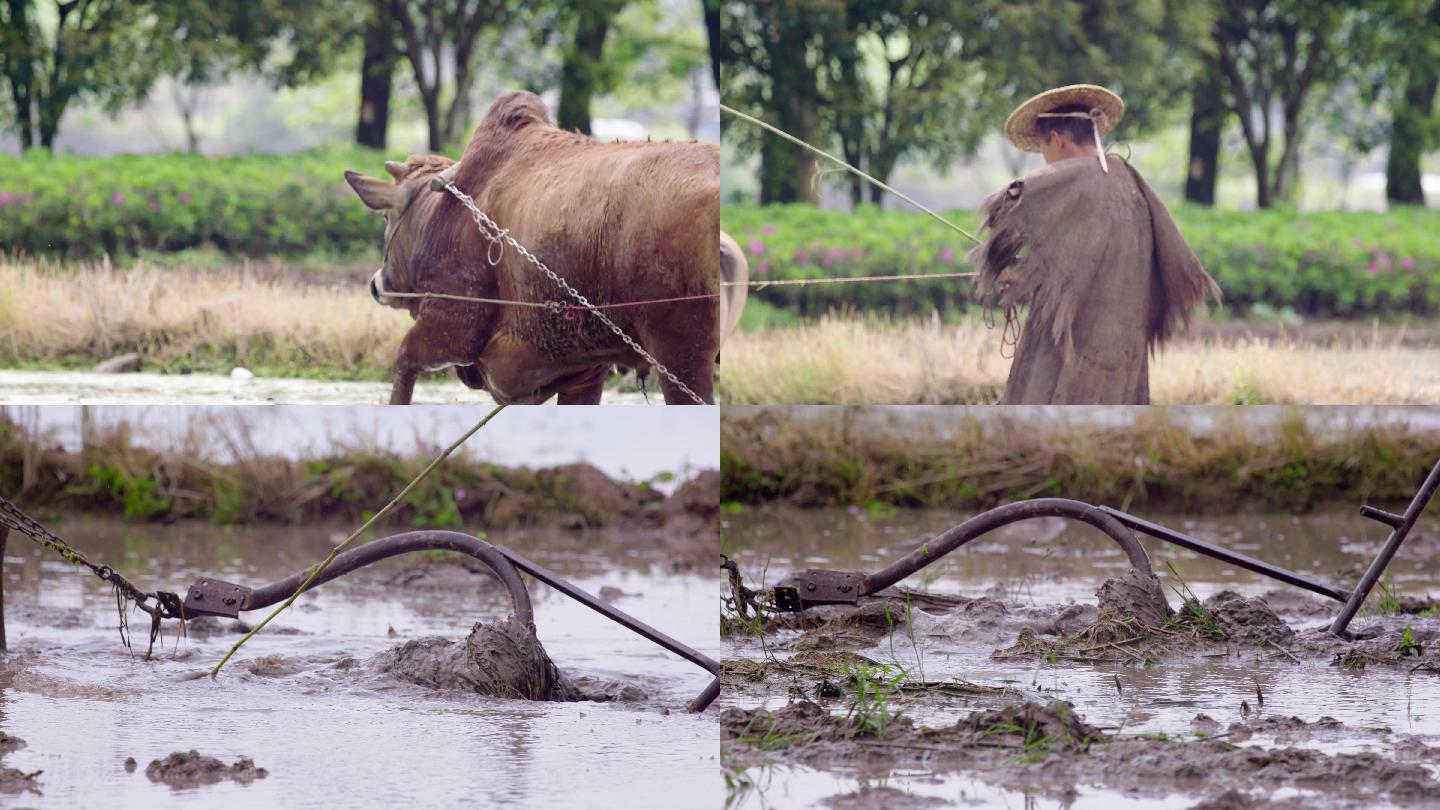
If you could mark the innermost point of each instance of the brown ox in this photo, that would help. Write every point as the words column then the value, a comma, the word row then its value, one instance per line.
column 734, row 269
column 621, row 222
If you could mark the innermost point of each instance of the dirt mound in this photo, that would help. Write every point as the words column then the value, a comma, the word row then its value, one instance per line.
column 502, row 659
column 193, row 769
column 1055, row 725
column 1137, row 595
column 1247, row 619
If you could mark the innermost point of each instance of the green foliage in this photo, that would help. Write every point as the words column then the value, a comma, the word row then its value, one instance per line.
column 137, row 494
column 1408, row 646
column 875, row 687
column 1330, row 264
column 1389, row 597
column 1193, row 614
column 81, row 207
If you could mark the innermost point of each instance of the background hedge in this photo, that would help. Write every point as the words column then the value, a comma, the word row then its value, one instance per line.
column 1339, row 264
column 255, row 204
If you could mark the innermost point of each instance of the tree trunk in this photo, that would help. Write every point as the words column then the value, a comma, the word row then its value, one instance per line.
column 713, row 30
column 578, row 79
column 1407, row 140
column 377, row 70
column 787, row 172
column 1207, row 120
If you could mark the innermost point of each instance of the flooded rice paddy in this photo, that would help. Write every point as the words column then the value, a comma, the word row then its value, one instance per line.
column 302, row 703
column 1028, row 574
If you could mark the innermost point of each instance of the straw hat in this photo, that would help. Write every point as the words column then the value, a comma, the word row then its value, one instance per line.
column 1106, row 110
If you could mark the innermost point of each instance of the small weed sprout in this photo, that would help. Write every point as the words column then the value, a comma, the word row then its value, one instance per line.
column 875, row 687
column 1193, row 614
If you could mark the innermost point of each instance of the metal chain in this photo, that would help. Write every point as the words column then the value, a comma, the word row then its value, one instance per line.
column 499, row 237
column 12, row 518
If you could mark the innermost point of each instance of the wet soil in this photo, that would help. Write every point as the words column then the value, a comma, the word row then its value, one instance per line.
column 316, row 700
column 190, row 769
column 499, row 659
column 1221, row 691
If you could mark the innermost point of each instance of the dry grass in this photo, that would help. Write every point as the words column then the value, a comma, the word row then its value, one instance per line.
column 51, row 313
column 853, row 360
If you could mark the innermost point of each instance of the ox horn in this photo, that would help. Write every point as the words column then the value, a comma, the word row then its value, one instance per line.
column 396, row 169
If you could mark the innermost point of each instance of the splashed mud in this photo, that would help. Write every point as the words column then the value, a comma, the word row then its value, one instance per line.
column 499, row 659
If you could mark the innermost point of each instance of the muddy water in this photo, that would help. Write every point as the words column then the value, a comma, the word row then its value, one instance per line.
column 1050, row 562
column 49, row 387
column 327, row 730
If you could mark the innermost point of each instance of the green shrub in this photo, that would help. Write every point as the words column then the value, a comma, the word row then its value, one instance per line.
column 1333, row 264
column 80, row 207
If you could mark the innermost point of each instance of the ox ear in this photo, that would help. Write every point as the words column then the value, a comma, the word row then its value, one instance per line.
column 397, row 169
column 373, row 191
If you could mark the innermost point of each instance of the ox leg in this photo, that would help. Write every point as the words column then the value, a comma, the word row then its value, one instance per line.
column 430, row 345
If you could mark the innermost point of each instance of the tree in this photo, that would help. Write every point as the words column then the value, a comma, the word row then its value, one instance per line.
column 907, row 83
column 1416, row 58
column 713, row 34
column 928, row 79
column 55, row 53
column 378, row 58
column 1274, row 54
column 433, row 30
column 773, row 52
column 1208, row 112
column 584, row 72
column 207, row 41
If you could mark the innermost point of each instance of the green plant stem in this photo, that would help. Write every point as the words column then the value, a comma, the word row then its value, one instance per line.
column 386, row 510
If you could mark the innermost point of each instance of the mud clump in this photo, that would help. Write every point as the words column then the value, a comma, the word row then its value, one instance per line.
column 193, row 769
column 1055, row 725
column 13, row 780
column 1247, row 619
column 501, row 659
column 1137, row 595
column 862, row 625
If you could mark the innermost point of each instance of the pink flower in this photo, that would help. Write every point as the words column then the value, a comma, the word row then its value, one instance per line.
column 853, row 510
column 801, row 255
column 1408, row 262
column 460, row 494
column 768, row 230
column 117, row 198
column 1372, row 268
column 1384, row 259
column 948, row 254
column 762, row 268
column 757, row 248
column 1357, row 242
column 184, row 196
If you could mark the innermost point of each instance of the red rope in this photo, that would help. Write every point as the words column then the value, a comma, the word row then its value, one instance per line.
column 576, row 313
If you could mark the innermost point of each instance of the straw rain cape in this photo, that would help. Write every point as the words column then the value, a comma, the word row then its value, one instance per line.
column 1105, row 270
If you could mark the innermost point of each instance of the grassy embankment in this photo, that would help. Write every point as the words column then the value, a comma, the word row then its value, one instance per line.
column 880, row 460
column 227, row 481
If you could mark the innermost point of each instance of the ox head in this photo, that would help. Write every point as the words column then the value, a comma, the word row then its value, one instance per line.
column 399, row 203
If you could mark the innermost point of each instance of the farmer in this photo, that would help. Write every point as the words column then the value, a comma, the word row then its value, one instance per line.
column 1088, row 246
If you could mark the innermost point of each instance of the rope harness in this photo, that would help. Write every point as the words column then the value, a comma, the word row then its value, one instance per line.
column 1009, row 335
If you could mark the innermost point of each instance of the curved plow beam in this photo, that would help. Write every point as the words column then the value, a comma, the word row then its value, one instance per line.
column 211, row 597
column 819, row 587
